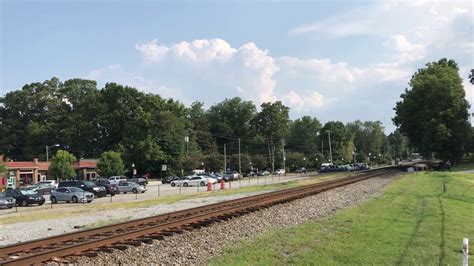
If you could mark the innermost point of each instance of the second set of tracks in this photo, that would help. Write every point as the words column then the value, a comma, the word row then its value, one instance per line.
column 135, row 232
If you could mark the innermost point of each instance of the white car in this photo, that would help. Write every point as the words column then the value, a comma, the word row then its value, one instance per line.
column 52, row 183
column 71, row 194
column 115, row 180
column 124, row 187
column 280, row 172
column 180, row 181
column 193, row 181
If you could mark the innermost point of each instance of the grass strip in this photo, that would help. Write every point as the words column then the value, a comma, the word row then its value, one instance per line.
column 419, row 220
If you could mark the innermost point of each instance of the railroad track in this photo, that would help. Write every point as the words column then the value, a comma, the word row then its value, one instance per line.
column 119, row 236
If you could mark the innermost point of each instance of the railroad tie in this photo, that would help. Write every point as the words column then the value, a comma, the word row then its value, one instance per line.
column 134, row 243
column 157, row 237
column 120, row 247
column 105, row 249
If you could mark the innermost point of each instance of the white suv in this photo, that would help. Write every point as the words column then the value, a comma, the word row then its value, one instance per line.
column 114, row 180
column 280, row 172
column 52, row 183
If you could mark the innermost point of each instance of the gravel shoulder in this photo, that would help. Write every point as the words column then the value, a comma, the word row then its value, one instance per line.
column 197, row 246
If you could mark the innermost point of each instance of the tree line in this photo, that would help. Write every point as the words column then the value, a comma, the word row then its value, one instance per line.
column 150, row 131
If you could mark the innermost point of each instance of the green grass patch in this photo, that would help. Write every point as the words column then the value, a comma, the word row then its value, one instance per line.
column 81, row 209
column 415, row 222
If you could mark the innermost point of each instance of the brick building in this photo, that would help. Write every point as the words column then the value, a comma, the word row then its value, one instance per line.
column 30, row 172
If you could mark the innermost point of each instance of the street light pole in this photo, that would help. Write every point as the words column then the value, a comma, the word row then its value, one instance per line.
column 370, row 166
column 47, row 150
column 330, row 150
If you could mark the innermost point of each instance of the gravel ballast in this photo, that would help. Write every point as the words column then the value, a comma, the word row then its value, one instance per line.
column 25, row 231
column 195, row 247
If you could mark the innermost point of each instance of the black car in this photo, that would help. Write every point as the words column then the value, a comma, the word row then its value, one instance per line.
column 249, row 174
column 98, row 191
column 139, row 180
column 25, row 197
column 6, row 201
column 332, row 169
column 111, row 189
column 300, row 170
column 168, row 179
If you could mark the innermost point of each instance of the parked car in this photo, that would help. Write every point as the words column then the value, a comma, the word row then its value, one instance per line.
column 99, row 191
column 207, row 175
column 179, row 182
column 126, row 186
column 263, row 173
column 25, row 197
column 232, row 175
column 300, row 170
column 332, row 168
column 53, row 183
column 110, row 189
column 168, row 179
column 280, row 171
column 361, row 166
column 6, row 201
column 217, row 176
column 117, row 179
column 250, row 173
column 198, row 181
column 71, row 194
column 139, row 180
column 42, row 188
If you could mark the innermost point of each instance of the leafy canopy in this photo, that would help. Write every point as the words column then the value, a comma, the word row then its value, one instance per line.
column 433, row 113
column 61, row 165
column 110, row 163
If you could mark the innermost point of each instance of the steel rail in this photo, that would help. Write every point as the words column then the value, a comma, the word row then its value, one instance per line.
column 162, row 217
column 188, row 218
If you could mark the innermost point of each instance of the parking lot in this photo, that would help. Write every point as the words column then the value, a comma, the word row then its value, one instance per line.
column 156, row 189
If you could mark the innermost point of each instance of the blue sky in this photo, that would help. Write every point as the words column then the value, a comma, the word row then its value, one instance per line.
column 335, row 60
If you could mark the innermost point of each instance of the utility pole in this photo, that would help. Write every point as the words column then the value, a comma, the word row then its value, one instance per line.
column 240, row 166
column 330, row 150
column 186, row 139
column 225, row 160
column 273, row 158
column 322, row 148
column 283, row 153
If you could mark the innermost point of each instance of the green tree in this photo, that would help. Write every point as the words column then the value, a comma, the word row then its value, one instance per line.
column 29, row 119
column 399, row 145
column 201, row 128
column 214, row 162
column 78, row 122
column 368, row 137
column 61, row 165
column 230, row 120
column 272, row 123
column 110, row 163
column 433, row 113
column 303, row 135
column 337, row 132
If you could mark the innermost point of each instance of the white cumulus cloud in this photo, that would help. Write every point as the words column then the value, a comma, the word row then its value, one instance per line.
column 406, row 50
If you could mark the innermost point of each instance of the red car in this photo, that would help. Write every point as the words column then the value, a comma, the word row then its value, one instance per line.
column 110, row 188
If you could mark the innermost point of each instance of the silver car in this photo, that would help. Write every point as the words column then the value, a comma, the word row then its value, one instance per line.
column 124, row 187
column 69, row 194
column 6, row 202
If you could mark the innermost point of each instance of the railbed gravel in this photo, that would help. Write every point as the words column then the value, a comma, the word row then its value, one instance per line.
column 196, row 246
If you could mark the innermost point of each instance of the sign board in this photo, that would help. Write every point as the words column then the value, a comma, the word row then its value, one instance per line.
column 163, row 167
